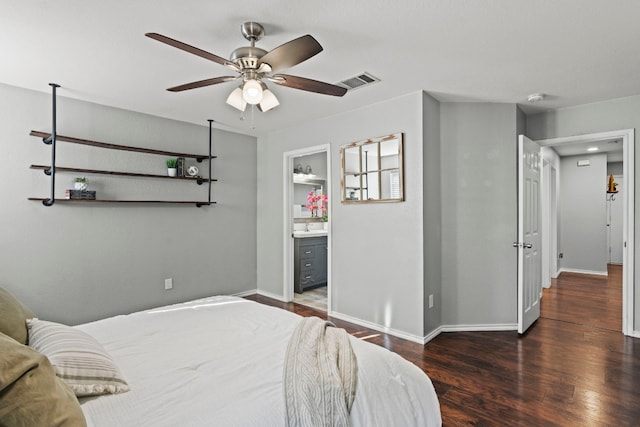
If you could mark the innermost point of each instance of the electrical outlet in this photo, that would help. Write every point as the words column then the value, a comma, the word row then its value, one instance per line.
column 168, row 283
column 560, row 255
column 431, row 301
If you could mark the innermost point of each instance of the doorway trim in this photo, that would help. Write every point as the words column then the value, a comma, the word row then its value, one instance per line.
column 628, row 220
column 287, row 186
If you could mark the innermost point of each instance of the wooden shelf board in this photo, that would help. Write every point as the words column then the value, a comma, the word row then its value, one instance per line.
column 185, row 202
column 105, row 172
column 45, row 135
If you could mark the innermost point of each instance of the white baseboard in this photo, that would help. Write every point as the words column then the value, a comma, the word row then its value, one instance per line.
column 432, row 334
column 480, row 328
column 244, row 293
column 376, row 327
column 270, row 295
column 575, row 270
column 634, row 334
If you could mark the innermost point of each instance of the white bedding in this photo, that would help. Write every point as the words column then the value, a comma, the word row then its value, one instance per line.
column 218, row 362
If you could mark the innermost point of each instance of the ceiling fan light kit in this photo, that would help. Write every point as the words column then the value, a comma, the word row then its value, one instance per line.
column 236, row 100
column 252, row 92
column 268, row 102
column 254, row 65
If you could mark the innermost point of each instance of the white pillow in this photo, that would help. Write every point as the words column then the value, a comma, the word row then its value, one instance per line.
column 77, row 358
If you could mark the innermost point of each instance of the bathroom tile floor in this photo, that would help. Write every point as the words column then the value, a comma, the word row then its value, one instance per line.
column 316, row 298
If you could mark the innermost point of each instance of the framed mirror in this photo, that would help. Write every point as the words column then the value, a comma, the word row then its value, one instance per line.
column 372, row 170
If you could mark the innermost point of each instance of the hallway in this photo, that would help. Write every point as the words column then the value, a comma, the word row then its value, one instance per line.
column 584, row 299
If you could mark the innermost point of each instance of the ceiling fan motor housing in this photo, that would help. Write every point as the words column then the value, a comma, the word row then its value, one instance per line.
column 247, row 57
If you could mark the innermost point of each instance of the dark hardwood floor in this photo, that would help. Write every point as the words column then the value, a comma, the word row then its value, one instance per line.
column 572, row 368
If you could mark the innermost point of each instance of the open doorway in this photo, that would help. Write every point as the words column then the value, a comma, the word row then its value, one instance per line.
column 307, row 260
column 564, row 147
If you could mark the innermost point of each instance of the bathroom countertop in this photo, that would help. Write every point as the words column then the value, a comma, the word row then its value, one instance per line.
column 301, row 234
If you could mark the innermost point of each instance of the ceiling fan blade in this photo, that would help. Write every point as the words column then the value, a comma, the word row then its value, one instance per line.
column 188, row 48
column 308, row 85
column 203, row 83
column 291, row 53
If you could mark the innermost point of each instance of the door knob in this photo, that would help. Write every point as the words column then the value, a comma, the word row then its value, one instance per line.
column 524, row 245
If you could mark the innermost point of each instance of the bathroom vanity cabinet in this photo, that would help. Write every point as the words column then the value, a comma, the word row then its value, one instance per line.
column 310, row 263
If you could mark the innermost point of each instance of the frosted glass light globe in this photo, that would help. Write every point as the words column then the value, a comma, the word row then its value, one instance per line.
column 252, row 92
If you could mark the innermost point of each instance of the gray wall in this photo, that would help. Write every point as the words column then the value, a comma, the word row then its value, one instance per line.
column 614, row 168
column 432, row 210
column 318, row 163
column 583, row 213
column 611, row 115
column 450, row 238
column 479, row 209
column 377, row 248
column 79, row 263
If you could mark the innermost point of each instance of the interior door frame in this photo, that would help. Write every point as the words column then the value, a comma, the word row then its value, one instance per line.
column 545, row 205
column 287, row 180
column 628, row 212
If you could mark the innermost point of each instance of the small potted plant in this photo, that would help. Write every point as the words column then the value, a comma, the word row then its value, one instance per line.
column 80, row 183
column 171, row 167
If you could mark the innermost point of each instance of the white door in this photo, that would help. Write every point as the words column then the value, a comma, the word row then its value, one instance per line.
column 529, row 242
column 615, row 222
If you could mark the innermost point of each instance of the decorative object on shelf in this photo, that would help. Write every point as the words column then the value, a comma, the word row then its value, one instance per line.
column 308, row 170
column 80, row 183
column 298, row 169
column 193, row 171
column 172, row 167
column 181, row 166
column 80, row 195
column 316, row 204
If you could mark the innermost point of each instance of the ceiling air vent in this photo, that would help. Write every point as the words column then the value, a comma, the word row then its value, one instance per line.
column 358, row 81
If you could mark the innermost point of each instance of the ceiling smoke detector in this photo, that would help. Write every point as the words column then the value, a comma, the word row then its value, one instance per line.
column 535, row 97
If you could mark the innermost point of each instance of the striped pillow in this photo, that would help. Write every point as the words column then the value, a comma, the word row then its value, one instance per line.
column 77, row 358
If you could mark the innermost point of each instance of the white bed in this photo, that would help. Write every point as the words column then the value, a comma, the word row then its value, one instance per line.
column 219, row 361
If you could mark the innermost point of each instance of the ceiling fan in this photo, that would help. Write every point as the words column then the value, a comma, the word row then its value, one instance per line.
column 255, row 65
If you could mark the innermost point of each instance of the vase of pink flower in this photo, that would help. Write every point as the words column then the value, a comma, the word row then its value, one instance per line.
column 316, row 203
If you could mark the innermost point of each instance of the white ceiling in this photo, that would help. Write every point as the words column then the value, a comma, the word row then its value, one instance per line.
column 576, row 51
column 612, row 147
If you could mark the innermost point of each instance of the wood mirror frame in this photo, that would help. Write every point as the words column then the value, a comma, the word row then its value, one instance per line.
column 372, row 170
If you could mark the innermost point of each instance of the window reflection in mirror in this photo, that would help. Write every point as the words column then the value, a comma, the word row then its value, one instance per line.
column 372, row 170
